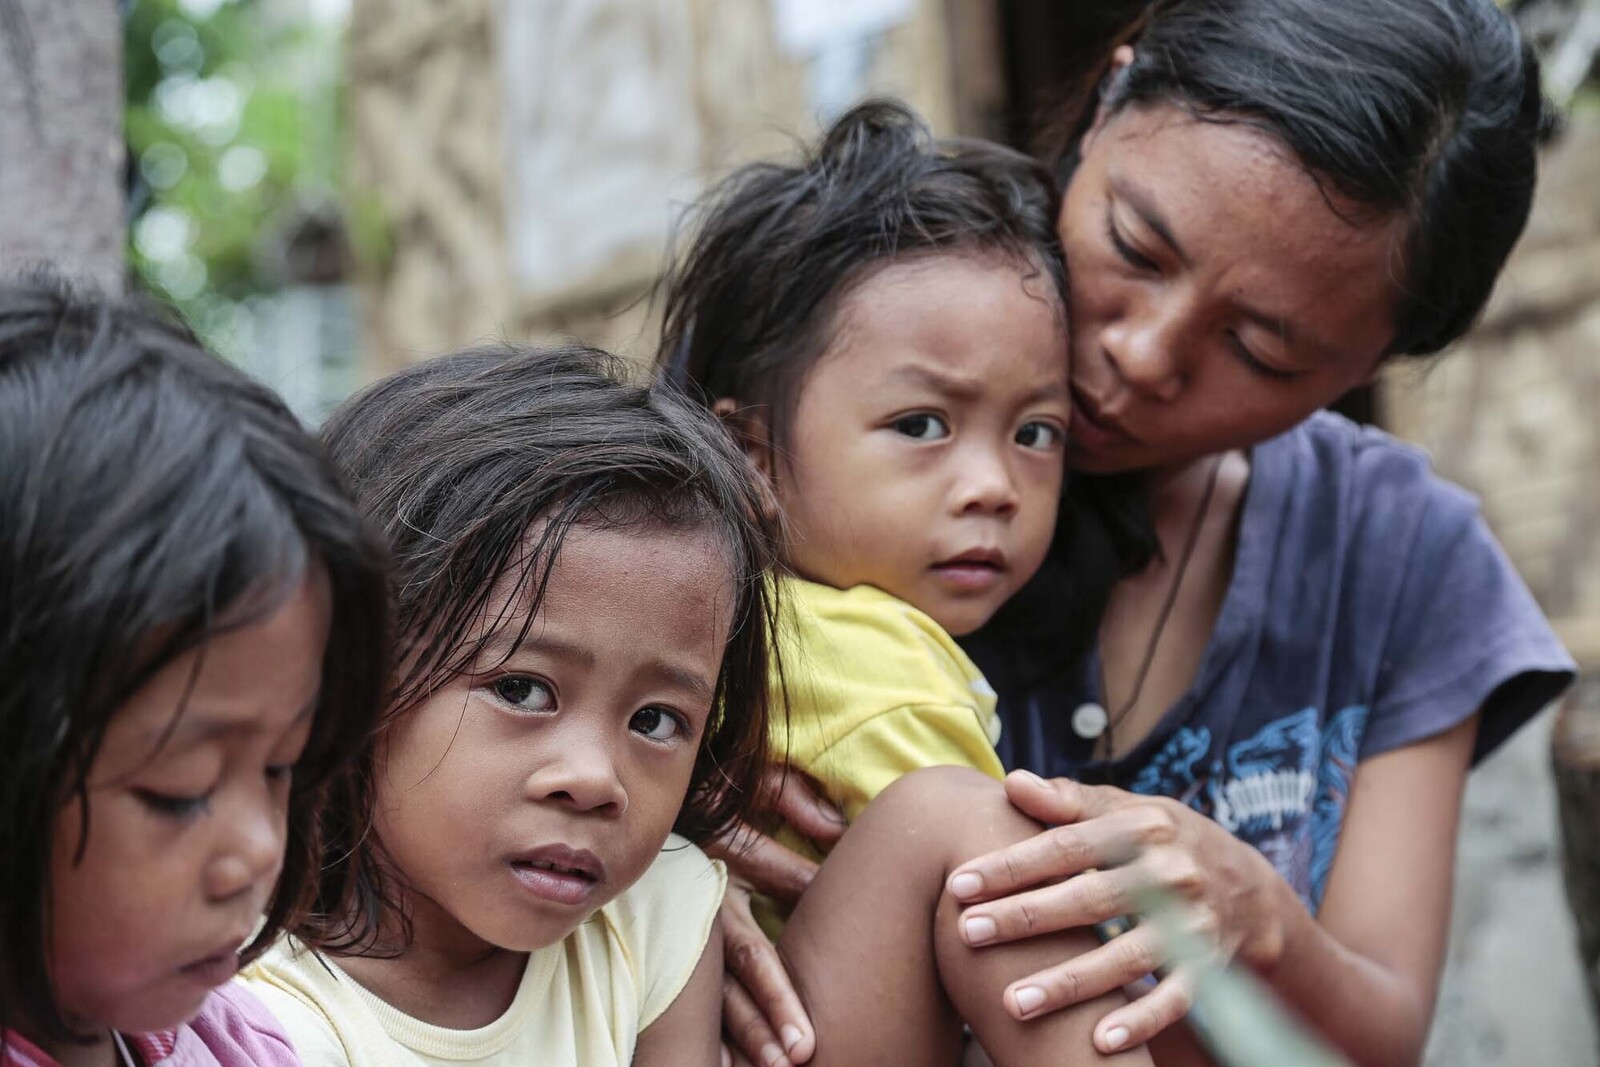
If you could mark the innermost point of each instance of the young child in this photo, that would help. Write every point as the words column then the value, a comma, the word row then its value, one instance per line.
column 192, row 633
column 583, row 651
column 883, row 327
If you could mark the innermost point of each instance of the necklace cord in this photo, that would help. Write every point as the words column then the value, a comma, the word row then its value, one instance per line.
column 1189, row 544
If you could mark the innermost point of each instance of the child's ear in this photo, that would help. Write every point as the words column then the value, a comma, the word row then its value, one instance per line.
column 749, row 429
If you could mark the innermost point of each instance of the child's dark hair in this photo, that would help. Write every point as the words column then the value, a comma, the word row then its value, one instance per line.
column 750, row 306
column 151, row 498
column 456, row 459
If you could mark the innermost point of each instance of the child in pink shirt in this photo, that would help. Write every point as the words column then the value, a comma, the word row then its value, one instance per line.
column 192, row 640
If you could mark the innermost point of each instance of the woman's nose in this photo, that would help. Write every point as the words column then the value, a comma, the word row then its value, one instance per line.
column 1144, row 347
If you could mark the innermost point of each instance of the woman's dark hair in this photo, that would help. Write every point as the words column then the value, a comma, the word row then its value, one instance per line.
column 462, row 460
column 750, row 305
column 151, row 498
column 1428, row 108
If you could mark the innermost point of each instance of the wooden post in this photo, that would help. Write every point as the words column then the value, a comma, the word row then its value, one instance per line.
column 61, row 146
column 1575, row 750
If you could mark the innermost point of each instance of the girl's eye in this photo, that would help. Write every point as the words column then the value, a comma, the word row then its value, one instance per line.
column 657, row 724
column 922, row 426
column 1255, row 364
column 175, row 807
column 280, row 772
column 529, row 694
column 1135, row 258
column 1040, row 435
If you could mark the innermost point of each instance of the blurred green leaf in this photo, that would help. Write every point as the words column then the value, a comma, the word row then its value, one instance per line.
column 1237, row 1017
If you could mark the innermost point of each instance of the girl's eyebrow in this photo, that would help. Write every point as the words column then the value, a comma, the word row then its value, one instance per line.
column 196, row 727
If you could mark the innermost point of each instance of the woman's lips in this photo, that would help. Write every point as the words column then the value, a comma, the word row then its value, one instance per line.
column 1090, row 429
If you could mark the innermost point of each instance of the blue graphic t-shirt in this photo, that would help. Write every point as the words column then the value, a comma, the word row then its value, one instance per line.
column 1370, row 608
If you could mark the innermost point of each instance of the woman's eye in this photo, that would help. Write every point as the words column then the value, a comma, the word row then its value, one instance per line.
column 657, row 724
column 1039, row 435
column 173, row 806
column 280, row 772
column 922, row 426
column 1255, row 364
column 529, row 694
column 1132, row 255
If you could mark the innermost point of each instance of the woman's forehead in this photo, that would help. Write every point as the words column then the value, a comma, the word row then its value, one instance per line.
column 1249, row 223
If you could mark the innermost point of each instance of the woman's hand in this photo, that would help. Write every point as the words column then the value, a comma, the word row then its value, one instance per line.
column 1105, row 846
column 763, row 1021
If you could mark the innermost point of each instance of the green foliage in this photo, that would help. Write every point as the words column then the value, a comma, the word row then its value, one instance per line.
column 222, row 116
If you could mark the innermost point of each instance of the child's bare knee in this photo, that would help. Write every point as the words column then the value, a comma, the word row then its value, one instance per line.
column 964, row 810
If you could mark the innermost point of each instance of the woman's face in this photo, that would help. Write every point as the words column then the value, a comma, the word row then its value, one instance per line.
column 1219, row 296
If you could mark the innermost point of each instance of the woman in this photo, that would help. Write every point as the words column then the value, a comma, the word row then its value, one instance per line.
column 1314, row 638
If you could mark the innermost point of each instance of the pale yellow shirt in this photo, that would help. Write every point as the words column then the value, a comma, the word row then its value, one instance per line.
column 582, row 1001
column 875, row 690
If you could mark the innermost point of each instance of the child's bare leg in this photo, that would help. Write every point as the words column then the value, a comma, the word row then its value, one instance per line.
column 874, row 951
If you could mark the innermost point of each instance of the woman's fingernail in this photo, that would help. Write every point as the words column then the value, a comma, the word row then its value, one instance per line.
column 980, row 929
column 1031, row 777
column 773, row 1056
column 791, row 1036
column 727, row 1057
column 966, row 886
column 1028, row 998
column 1115, row 1038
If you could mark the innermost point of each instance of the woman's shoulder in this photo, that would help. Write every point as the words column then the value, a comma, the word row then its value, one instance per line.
column 1364, row 479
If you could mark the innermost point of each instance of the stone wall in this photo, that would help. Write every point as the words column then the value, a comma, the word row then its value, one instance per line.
column 480, row 130
column 1512, row 412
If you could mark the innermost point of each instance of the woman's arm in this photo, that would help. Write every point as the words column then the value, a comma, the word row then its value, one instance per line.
column 690, row 1031
column 1364, row 972
column 761, row 1012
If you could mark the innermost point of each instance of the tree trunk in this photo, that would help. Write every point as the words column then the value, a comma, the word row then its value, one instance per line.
column 1576, row 752
column 61, row 146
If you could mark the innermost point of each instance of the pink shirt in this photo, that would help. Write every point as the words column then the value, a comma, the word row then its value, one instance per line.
column 232, row 1029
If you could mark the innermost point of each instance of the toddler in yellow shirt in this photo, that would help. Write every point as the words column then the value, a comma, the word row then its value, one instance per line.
column 882, row 326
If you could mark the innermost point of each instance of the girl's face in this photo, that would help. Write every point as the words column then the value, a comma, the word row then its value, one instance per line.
column 1217, row 295
column 515, row 801
column 926, row 451
column 188, row 805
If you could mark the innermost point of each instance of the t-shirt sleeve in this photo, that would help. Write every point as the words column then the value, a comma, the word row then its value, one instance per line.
column 865, row 761
column 664, row 921
column 238, row 1029
column 1466, row 634
column 309, row 1029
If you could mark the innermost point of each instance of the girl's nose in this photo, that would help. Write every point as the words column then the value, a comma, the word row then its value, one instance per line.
column 984, row 485
column 251, row 852
column 583, row 777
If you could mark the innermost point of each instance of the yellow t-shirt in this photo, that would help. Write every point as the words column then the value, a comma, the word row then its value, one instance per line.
column 582, row 1001
column 875, row 689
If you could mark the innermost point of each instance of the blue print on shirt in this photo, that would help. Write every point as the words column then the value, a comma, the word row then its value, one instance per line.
column 1283, row 789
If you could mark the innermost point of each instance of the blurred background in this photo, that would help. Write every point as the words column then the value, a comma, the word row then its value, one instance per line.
column 330, row 189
